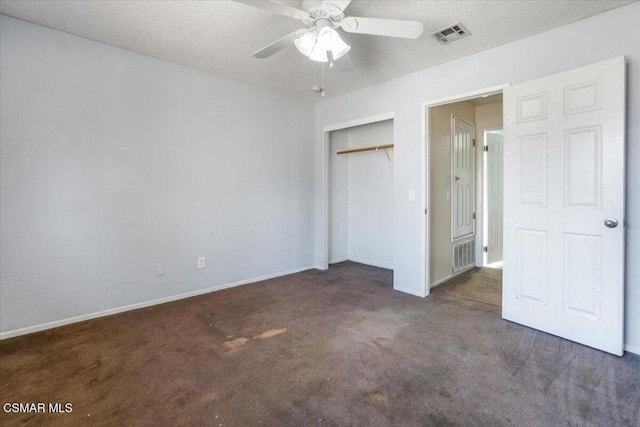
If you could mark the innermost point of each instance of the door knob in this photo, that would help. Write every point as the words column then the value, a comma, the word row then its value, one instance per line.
column 456, row 178
column 611, row 222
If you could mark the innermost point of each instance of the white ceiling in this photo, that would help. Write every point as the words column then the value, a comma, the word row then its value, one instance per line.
column 220, row 36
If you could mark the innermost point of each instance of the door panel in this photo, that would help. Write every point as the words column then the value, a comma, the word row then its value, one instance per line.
column 563, row 176
column 532, row 279
column 583, row 281
column 463, row 159
column 532, row 169
column 583, row 174
column 494, row 153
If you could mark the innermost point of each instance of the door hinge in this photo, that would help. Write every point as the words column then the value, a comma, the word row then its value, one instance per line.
column 474, row 142
column 485, row 249
column 486, row 148
column 474, row 215
column 425, row 211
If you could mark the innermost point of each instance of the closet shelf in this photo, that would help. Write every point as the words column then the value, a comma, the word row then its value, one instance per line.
column 359, row 150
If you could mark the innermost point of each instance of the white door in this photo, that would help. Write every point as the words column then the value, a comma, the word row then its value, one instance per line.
column 564, row 204
column 493, row 167
column 462, row 179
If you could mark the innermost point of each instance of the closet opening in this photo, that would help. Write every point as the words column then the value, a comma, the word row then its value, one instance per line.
column 360, row 194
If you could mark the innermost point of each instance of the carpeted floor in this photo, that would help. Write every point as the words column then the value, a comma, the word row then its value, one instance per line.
column 479, row 285
column 338, row 347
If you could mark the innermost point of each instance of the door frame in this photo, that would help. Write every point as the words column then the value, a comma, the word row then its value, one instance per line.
column 482, row 190
column 326, row 158
column 426, row 171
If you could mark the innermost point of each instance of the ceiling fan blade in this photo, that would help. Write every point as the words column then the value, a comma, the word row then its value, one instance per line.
column 279, row 8
column 383, row 27
column 310, row 4
column 340, row 4
column 280, row 44
column 344, row 63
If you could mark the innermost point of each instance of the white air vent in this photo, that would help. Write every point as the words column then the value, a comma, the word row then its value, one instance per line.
column 464, row 255
column 451, row 33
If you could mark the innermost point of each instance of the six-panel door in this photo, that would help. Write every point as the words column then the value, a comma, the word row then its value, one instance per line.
column 563, row 177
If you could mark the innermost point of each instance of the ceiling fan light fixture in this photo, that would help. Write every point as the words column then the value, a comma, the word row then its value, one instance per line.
column 328, row 38
column 340, row 49
column 306, row 43
column 316, row 45
column 318, row 54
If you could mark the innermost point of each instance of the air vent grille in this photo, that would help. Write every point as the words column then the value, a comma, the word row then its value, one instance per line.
column 452, row 33
column 464, row 255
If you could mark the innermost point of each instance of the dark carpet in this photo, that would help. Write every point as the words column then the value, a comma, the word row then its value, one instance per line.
column 479, row 284
column 336, row 347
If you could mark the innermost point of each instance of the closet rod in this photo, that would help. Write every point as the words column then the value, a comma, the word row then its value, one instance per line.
column 359, row 150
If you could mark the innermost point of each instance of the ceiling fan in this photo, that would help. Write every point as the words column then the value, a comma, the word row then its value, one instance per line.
column 320, row 41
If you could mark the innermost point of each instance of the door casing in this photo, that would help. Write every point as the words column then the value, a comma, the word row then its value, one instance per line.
column 425, row 170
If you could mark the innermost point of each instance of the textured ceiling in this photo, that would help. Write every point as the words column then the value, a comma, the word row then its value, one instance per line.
column 220, row 36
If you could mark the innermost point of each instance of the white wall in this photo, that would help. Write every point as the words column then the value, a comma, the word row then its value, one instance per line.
column 371, row 196
column 113, row 162
column 488, row 116
column 568, row 47
column 361, row 196
column 441, row 245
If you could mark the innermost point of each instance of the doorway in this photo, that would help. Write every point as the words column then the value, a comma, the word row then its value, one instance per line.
column 563, row 198
column 465, row 188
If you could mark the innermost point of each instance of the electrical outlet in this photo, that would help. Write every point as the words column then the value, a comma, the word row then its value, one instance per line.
column 201, row 262
column 160, row 269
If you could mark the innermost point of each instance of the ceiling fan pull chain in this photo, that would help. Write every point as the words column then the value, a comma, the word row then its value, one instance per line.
column 322, row 93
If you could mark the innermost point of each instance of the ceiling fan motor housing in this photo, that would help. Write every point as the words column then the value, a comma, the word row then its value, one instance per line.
column 327, row 15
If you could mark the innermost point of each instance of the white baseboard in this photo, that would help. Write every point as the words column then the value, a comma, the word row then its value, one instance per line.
column 408, row 291
column 335, row 261
column 441, row 281
column 373, row 264
column 632, row 349
column 451, row 276
column 109, row 312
